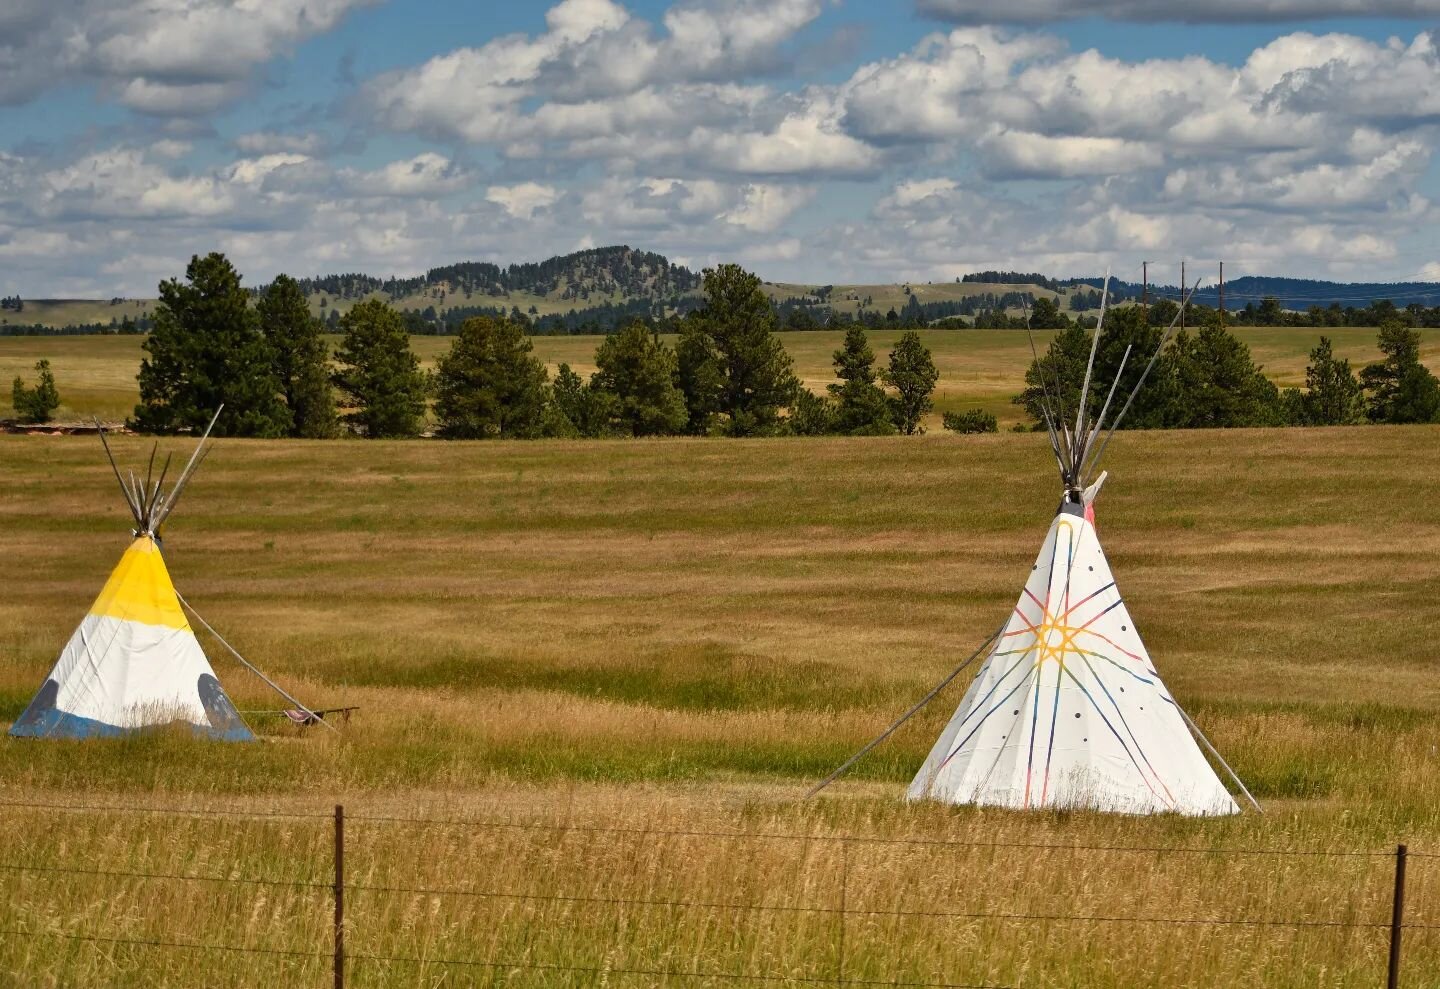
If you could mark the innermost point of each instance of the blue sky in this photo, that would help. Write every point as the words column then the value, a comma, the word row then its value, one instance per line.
column 811, row 140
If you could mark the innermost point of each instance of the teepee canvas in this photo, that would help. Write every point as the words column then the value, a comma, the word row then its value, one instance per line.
column 1068, row 709
column 134, row 662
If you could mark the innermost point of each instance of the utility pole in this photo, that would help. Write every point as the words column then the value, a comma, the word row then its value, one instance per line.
column 1222, row 295
column 1145, row 289
column 1182, row 296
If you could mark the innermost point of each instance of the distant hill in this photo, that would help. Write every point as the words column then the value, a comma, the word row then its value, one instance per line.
column 1291, row 293
column 607, row 272
column 594, row 290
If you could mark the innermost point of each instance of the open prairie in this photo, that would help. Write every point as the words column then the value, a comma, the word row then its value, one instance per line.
column 672, row 640
column 978, row 368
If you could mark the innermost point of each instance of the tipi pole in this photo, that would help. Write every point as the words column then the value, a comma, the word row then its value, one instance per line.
column 129, row 501
column 164, row 510
column 1219, row 758
column 904, row 717
column 1164, row 339
column 1090, row 367
column 247, row 664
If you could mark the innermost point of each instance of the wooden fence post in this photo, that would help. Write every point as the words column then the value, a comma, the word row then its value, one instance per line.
column 844, row 898
column 339, row 932
column 1397, row 919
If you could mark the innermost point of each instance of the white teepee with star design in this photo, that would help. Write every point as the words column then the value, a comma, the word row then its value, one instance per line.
column 1068, row 710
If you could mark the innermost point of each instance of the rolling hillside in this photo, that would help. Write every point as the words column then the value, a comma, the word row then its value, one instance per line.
column 594, row 290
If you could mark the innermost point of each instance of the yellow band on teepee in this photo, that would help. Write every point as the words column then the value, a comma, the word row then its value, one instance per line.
column 139, row 589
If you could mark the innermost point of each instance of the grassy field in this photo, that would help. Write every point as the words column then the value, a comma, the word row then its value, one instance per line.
column 882, row 298
column 680, row 636
column 77, row 312
column 978, row 368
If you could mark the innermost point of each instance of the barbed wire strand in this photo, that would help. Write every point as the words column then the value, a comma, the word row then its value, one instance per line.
column 855, row 911
column 853, row 838
column 674, row 973
column 120, row 874
column 158, row 943
column 698, row 833
column 176, row 811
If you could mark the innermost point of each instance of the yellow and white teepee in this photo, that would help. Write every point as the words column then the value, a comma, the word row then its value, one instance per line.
column 134, row 662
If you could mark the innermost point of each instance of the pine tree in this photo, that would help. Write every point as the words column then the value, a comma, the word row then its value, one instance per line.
column 1332, row 393
column 206, row 350
column 1126, row 326
column 301, row 359
column 700, row 377
column 1046, row 315
column 1399, row 388
column 38, row 404
column 863, row 409
column 379, row 375
column 490, row 384
column 1219, row 385
column 577, row 408
column 1058, row 374
column 758, row 377
column 812, row 414
column 912, row 373
column 640, row 372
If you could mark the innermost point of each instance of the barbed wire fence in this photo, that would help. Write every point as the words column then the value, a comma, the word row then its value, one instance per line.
column 333, row 891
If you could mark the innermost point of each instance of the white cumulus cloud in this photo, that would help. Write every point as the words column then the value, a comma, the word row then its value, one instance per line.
column 1192, row 11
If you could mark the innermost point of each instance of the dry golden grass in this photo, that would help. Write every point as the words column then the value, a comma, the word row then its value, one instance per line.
column 680, row 636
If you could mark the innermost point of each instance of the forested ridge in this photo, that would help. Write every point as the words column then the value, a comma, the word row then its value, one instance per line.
column 599, row 290
column 600, row 271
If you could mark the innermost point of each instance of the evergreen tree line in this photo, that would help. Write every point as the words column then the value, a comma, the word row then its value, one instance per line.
column 590, row 321
column 1206, row 378
column 121, row 327
column 1011, row 278
column 728, row 373
column 268, row 366
column 1269, row 313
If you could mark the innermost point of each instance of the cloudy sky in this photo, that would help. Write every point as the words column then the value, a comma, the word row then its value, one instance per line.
column 815, row 140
